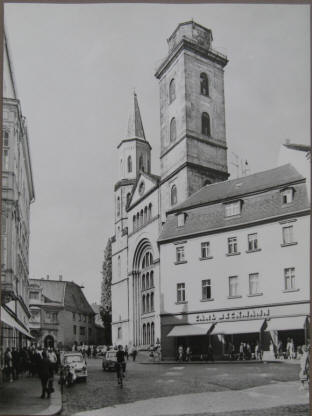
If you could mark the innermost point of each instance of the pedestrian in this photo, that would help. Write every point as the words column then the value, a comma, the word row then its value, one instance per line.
column 241, row 351
column 15, row 363
column 180, row 353
column 304, row 366
column 126, row 352
column 8, row 364
column 45, row 373
column 134, row 353
column 188, row 353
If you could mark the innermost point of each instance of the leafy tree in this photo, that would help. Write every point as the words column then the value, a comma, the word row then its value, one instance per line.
column 106, row 292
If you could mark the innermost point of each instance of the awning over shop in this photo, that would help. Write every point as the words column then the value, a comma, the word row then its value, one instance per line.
column 189, row 330
column 286, row 323
column 238, row 327
column 7, row 319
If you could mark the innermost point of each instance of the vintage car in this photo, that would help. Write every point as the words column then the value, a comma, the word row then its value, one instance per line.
column 109, row 361
column 76, row 365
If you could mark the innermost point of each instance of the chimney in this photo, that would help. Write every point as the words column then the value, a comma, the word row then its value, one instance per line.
column 60, row 277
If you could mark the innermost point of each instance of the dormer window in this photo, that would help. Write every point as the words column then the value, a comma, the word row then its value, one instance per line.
column 181, row 219
column 287, row 195
column 233, row 208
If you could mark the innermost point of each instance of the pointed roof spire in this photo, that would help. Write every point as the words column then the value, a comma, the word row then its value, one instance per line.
column 135, row 125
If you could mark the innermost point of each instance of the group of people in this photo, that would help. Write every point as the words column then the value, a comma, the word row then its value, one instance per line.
column 32, row 361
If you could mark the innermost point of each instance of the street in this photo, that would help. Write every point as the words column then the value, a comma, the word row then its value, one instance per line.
column 146, row 381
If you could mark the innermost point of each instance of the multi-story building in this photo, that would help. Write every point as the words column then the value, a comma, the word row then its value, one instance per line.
column 158, row 254
column 60, row 314
column 17, row 195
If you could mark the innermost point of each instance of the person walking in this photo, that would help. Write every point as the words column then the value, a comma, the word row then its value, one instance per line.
column 45, row 372
column 134, row 353
column 304, row 366
column 126, row 352
column 180, row 353
column 8, row 364
column 188, row 353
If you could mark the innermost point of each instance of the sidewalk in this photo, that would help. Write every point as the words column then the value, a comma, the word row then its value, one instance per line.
column 212, row 403
column 22, row 397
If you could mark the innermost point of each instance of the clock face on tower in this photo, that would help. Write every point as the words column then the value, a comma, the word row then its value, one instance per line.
column 141, row 188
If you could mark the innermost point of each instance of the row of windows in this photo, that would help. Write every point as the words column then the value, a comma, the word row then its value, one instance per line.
column 232, row 244
column 148, row 331
column 233, row 286
column 130, row 167
column 148, row 280
column 142, row 217
column 82, row 330
column 148, row 303
column 203, row 84
column 205, row 127
column 82, row 317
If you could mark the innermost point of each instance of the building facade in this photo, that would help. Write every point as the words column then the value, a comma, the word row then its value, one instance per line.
column 60, row 314
column 150, row 271
column 17, row 195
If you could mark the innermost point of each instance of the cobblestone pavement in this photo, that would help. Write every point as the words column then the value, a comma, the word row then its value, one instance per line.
column 152, row 381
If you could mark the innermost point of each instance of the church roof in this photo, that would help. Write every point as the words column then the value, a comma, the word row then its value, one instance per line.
column 135, row 125
column 261, row 201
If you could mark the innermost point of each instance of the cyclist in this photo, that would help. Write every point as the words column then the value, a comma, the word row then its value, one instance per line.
column 120, row 364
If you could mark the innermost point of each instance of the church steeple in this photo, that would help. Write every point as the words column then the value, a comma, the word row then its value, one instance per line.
column 135, row 125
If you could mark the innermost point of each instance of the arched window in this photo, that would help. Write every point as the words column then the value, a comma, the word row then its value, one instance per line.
column 174, row 195
column 147, row 281
column 147, row 303
column 128, row 197
column 172, row 92
column 151, row 258
column 129, row 164
column 141, row 217
column 152, row 333
column 143, row 263
column 119, row 266
column 152, row 279
column 204, row 88
column 143, row 304
column 134, row 222
column 145, row 215
column 150, row 211
column 152, row 302
column 147, row 259
column 144, row 334
column 205, row 124
column 143, row 282
column 148, row 335
column 118, row 205
column 173, row 130
column 138, row 220
column 141, row 167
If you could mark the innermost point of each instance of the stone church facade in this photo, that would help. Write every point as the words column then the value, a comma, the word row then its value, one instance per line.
column 193, row 154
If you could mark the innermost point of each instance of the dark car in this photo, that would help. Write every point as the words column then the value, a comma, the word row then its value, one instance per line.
column 109, row 361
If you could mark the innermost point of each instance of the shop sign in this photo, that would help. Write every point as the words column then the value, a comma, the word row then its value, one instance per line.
column 234, row 315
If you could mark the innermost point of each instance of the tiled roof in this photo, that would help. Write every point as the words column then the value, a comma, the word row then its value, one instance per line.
column 261, row 200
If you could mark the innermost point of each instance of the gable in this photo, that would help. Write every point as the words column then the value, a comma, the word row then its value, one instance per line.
column 144, row 184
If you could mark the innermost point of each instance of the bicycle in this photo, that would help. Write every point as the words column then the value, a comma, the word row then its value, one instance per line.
column 120, row 373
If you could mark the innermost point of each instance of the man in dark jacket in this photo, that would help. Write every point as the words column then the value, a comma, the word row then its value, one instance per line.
column 45, row 373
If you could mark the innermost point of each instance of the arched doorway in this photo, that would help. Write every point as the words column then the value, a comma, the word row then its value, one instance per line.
column 143, row 285
column 49, row 341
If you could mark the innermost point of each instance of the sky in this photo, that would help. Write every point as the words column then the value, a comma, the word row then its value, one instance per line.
column 76, row 67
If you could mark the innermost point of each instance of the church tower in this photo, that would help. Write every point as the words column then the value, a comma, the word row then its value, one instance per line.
column 134, row 155
column 192, row 114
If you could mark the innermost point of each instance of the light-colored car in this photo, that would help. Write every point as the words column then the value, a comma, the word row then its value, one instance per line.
column 77, row 364
column 109, row 361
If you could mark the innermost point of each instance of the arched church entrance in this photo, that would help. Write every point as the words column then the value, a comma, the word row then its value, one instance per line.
column 49, row 341
column 143, row 294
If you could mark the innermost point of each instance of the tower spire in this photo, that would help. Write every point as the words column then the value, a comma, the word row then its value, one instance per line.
column 135, row 125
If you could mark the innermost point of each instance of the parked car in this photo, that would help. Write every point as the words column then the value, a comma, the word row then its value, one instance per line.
column 76, row 365
column 109, row 361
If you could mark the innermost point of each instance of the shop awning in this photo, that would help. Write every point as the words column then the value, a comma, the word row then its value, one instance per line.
column 7, row 319
column 286, row 324
column 189, row 330
column 238, row 327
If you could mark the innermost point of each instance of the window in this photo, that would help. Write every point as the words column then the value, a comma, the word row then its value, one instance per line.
column 289, row 275
column 152, row 279
column 148, row 303
column 143, row 282
column 206, row 289
column 134, row 222
column 173, row 130
column 118, row 206
column 34, row 295
column 5, row 138
column 181, row 292
column 233, row 209
column 180, row 254
column 75, row 329
column 288, row 235
column 205, row 124
column 82, row 330
column 141, row 167
column 129, row 164
column 119, row 266
column 174, row 195
column 150, row 211
column 147, row 281
column 252, row 242
column 5, row 159
column 143, row 304
column 181, row 219
column 144, row 333
column 205, row 250
column 232, row 245
column 287, row 196
column 233, row 286
column 204, row 90
column 119, row 332
column 152, row 302
column 254, row 284
column 172, row 92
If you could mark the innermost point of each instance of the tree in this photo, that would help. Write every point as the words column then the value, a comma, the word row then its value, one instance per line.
column 106, row 292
